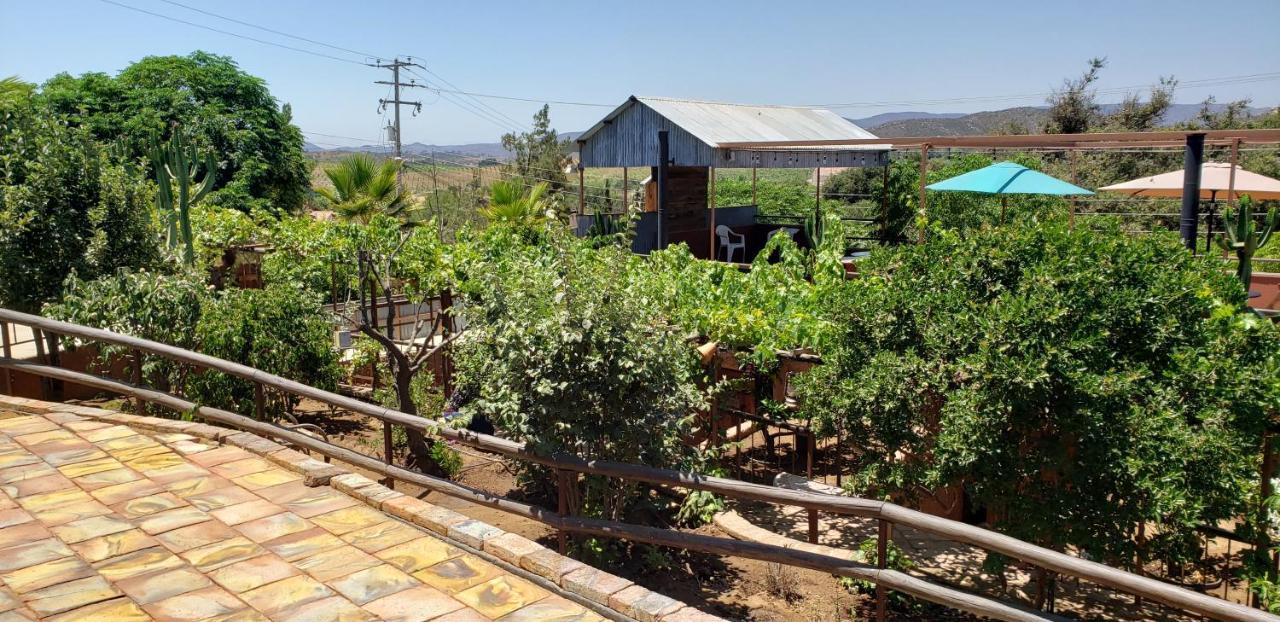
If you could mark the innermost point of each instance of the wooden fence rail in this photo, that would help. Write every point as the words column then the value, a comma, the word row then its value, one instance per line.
column 1140, row 586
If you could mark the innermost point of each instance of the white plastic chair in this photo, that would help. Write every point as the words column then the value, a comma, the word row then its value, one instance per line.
column 738, row 244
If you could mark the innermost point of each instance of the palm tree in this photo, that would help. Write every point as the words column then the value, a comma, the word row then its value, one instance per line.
column 14, row 90
column 509, row 203
column 363, row 188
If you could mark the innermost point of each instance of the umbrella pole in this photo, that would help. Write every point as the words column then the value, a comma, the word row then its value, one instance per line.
column 1075, row 179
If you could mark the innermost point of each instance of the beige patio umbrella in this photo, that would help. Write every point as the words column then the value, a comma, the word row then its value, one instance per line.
column 1215, row 180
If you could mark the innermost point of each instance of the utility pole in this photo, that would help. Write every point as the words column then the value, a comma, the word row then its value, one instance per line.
column 396, row 102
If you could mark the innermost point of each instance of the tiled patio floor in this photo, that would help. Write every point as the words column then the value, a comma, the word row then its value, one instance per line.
column 101, row 522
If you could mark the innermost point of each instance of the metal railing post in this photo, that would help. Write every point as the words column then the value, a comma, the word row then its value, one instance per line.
column 882, row 562
column 38, row 336
column 8, row 353
column 387, row 448
column 140, row 405
column 808, row 470
column 562, row 506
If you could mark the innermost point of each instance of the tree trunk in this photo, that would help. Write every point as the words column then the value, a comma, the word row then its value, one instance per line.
column 419, row 445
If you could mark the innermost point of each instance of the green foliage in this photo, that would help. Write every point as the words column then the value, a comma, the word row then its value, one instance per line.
column 1072, row 109
column 149, row 305
column 1053, row 372
column 509, row 204
column 538, row 155
column 445, row 457
column 177, row 164
column 64, row 207
column 773, row 198
column 563, row 354
column 14, row 92
column 1245, row 237
column 276, row 330
column 362, row 188
column 230, row 112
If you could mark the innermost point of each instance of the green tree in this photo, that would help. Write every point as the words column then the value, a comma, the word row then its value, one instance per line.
column 363, row 188
column 510, row 205
column 64, row 207
column 539, row 154
column 1073, row 108
column 1053, row 372
column 227, row 110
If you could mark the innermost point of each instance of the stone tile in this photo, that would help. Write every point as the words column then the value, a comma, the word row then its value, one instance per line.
column 594, row 584
column 438, row 519
column 117, row 610
column 220, row 455
column 49, row 500
column 172, row 437
column 304, row 544
column 272, row 527
column 36, row 438
column 266, row 479
column 45, row 574
column 157, row 462
column 202, row 604
column 380, row 536
column 332, row 609
column 197, row 535
column 114, row 545
column 179, row 473
column 106, row 434
column 70, row 595
column 154, row 587
column 335, row 563
column 16, row 459
column 459, row 573
column 689, row 614
column 466, row 614
column 510, row 547
column 25, row 471
column 245, row 512
column 37, row 485
column 286, row 593
column 103, row 479
column 146, row 506
column 14, row 516
column 221, row 498
column 552, row 608
column 188, row 447
column 139, row 562
column 73, row 454
column 85, row 426
column 405, row 507
column 32, row 553
column 198, row 484
column 642, row 604
column 119, row 493
column 373, row 583
column 169, row 520
column 550, row 564
column 66, row 513
column 23, row 533
column 213, row 556
column 140, row 452
column 501, row 595
column 413, row 605
column 238, row 468
column 125, row 443
column 253, row 573
column 92, row 527
column 418, row 554
column 306, row 501
column 473, row 533
column 349, row 519
column 243, row 615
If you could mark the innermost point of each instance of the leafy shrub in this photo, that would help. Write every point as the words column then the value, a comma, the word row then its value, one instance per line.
column 564, row 355
column 149, row 305
column 64, row 207
column 1053, row 372
column 277, row 330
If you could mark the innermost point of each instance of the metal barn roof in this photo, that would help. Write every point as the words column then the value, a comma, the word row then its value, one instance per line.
column 701, row 130
column 715, row 122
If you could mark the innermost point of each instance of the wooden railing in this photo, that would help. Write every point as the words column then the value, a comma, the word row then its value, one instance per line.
column 887, row 514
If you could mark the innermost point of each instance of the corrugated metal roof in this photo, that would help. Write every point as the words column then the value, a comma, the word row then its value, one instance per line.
column 714, row 123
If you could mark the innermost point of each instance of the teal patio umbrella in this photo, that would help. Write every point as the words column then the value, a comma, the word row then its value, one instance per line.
column 1005, row 178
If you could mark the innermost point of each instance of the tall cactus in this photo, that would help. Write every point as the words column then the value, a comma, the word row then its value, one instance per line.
column 815, row 227
column 1244, row 237
column 178, row 164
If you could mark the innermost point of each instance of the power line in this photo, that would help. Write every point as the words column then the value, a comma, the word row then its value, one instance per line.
column 229, row 33
column 270, row 30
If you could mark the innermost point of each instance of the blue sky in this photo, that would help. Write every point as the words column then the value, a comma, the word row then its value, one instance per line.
column 895, row 53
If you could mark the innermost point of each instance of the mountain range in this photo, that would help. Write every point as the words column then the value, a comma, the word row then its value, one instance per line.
column 887, row 124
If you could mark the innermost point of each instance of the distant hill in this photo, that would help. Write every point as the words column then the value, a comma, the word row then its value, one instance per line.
column 998, row 121
column 472, row 150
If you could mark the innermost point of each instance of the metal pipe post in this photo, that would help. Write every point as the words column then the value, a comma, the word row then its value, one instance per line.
column 1190, row 214
column 664, row 158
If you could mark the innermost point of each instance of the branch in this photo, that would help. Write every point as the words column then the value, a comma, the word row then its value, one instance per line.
column 429, row 353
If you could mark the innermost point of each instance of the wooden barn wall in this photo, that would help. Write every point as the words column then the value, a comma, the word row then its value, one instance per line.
column 631, row 139
column 687, row 199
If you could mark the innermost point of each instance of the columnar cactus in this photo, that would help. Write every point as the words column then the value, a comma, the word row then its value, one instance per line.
column 1244, row 236
column 177, row 167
